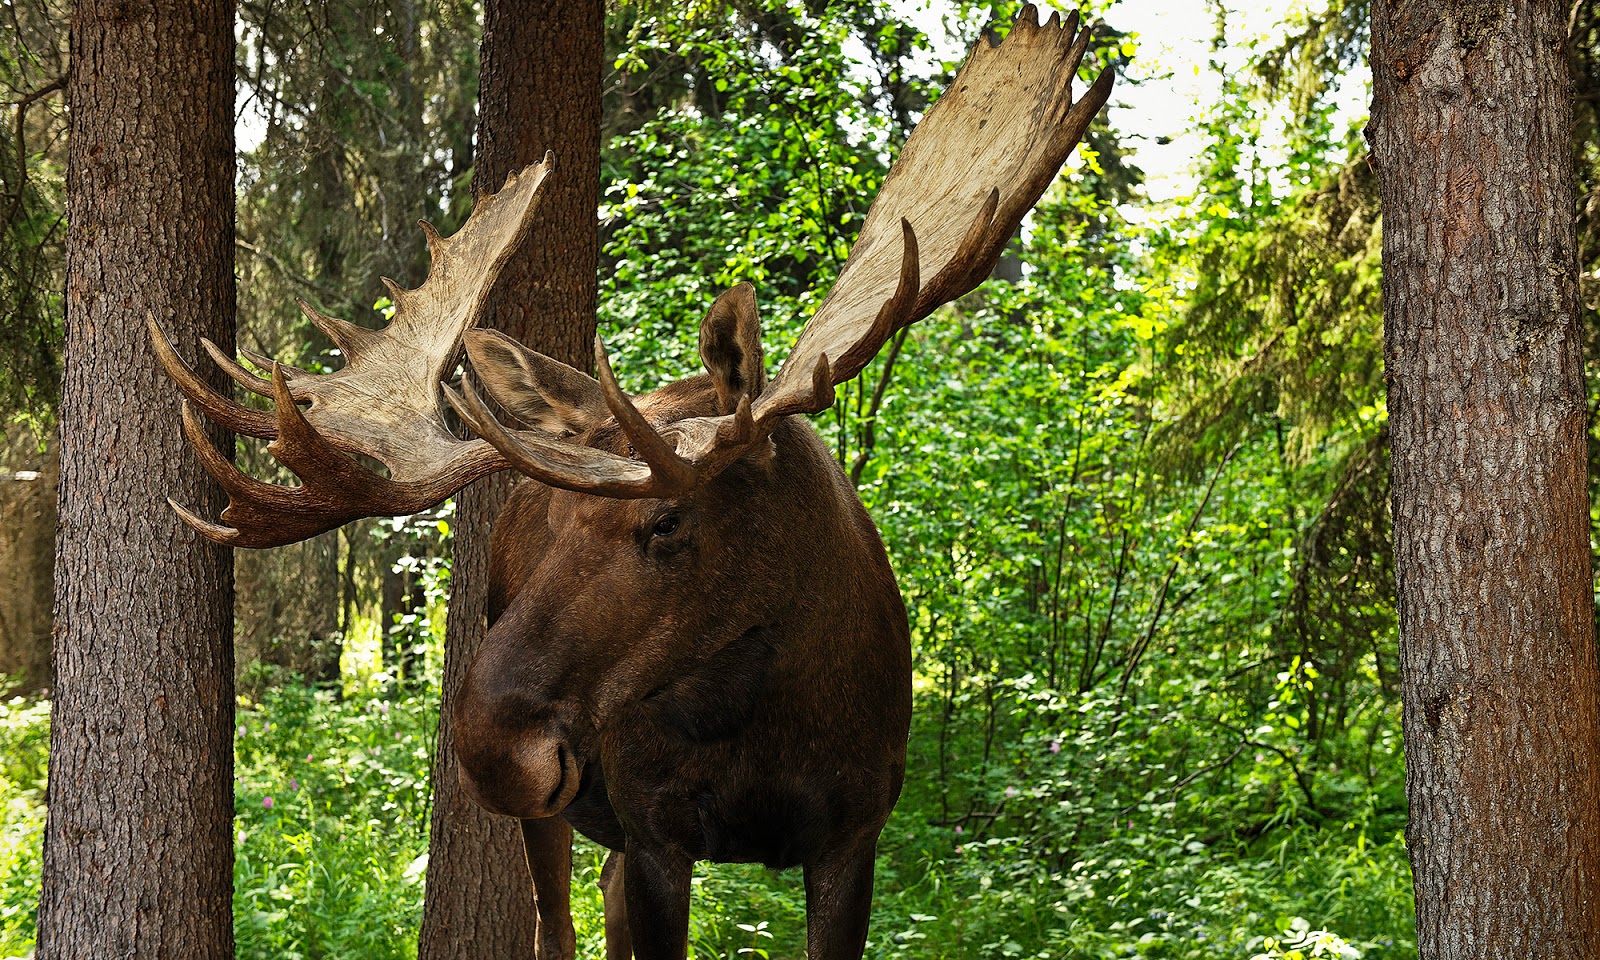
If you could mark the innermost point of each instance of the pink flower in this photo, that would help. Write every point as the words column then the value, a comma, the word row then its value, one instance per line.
column 959, row 831
column 308, row 758
column 958, row 848
column 1055, row 746
column 1011, row 791
column 293, row 784
column 267, row 802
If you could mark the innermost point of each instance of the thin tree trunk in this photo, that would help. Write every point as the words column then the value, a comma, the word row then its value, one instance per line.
column 138, row 858
column 1470, row 135
column 286, row 606
column 29, row 479
column 539, row 90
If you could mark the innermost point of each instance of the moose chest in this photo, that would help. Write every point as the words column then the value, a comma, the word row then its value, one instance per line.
column 724, row 820
column 746, row 774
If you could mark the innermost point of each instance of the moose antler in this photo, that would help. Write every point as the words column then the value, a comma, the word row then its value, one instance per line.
column 971, row 170
column 383, row 404
column 969, row 173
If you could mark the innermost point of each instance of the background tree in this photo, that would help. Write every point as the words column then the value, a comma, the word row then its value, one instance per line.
column 539, row 91
column 363, row 129
column 33, row 227
column 138, row 859
column 33, row 159
column 1470, row 134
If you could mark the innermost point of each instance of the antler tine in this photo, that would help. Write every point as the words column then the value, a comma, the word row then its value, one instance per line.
column 741, row 429
column 435, row 242
column 224, row 410
column 312, row 457
column 241, row 376
column 234, row 482
column 897, row 311
column 665, row 464
column 223, row 536
column 974, row 259
column 265, row 362
column 553, row 463
column 822, row 382
column 349, row 338
column 1083, row 112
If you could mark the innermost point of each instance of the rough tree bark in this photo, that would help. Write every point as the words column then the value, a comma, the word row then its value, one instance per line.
column 138, row 857
column 539, row 90
column 1470, row 137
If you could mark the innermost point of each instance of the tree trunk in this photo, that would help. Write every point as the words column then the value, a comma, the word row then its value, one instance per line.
column 539, row 90
column 29, row 472
column 286, row 607
column 1470, row 136
column 138, row 858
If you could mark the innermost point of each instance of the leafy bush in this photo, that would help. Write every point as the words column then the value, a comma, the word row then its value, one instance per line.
column 331, row 808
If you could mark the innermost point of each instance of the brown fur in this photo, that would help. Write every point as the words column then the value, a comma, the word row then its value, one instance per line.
column 737, row 691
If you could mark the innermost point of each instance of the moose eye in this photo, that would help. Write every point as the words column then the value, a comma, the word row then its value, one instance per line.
column 666, row 526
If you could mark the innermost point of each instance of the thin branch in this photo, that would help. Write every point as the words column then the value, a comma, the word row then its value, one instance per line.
column 869, row 433
column 1288, row 759
column 21, row 134
column 1191, row 778
column 284, row 268
column 1139, row 649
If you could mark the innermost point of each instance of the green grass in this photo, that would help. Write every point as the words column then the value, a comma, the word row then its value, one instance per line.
column 334, row 865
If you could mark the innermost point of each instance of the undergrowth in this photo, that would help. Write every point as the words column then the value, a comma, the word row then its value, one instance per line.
column 332, row 811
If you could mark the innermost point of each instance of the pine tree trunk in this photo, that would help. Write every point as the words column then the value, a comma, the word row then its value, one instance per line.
column 539, row 90
column 138, row 857
column 1470, row 137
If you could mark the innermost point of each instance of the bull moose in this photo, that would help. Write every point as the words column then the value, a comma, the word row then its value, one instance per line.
column 697, row 647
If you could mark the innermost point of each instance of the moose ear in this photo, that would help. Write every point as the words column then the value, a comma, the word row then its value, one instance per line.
column 730, row 345
column 543, row 393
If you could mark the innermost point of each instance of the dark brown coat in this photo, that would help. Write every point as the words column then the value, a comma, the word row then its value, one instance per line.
column 725, row 677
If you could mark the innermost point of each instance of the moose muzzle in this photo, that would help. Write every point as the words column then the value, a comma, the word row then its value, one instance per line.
column 514, row 758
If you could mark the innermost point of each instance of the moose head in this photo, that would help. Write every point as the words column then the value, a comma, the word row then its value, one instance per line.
column 693, row 621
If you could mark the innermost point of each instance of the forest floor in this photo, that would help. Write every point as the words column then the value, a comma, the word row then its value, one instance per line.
column 332, row 820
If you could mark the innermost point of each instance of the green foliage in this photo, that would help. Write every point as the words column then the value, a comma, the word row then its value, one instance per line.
column 759, row 174
column 1135, row 498
column 33, row 206
column 331, row 813
column 24, row 743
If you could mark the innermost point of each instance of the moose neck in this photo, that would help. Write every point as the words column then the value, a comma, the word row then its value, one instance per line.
column 843, row 602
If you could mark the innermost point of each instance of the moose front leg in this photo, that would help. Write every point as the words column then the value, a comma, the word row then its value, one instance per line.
column 656, row 890
column 548, row 846
column 839, row 902
column 618, row 944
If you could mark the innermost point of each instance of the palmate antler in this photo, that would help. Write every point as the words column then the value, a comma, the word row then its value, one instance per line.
column 972, row 169
column 384, row 403
column 969, row 173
